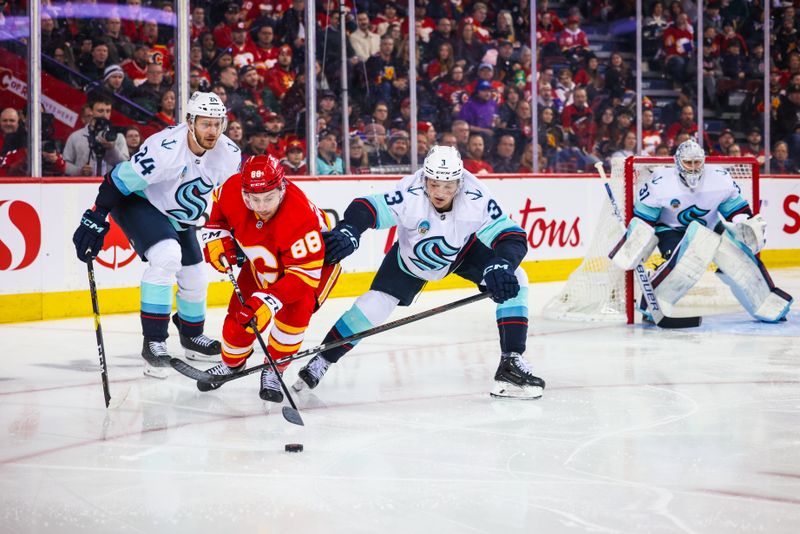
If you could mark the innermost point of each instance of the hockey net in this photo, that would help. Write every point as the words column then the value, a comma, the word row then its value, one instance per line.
column 599, row 291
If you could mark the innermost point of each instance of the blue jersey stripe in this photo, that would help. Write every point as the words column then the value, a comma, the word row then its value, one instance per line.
column 126, row 179
column 385, row 217
column 732, row 205
column 489, row 233
column 643, row 211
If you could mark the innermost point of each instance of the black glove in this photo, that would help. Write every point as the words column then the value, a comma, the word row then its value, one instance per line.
column 340, row 243
column 88, row 238
column 500, row 280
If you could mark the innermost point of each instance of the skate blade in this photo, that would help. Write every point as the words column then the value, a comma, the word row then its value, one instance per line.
column 299, row 385
column 205, row 358
column 504, row 390
column 155, row 372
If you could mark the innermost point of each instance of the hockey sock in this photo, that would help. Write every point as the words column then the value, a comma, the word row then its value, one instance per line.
column 156, row 307
column 352, row 322
column 192, row 316
column 512, row 322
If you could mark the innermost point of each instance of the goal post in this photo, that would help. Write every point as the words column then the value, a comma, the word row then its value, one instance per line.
column 598, row 290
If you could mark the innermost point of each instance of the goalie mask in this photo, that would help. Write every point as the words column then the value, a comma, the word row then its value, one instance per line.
column 690, row 159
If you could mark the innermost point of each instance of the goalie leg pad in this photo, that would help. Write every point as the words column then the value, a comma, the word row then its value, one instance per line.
column 635, row 246
column 688, row 262
column 750, row 282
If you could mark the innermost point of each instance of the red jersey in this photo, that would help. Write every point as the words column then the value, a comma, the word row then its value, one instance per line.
column 477, row 167
column 285, row 253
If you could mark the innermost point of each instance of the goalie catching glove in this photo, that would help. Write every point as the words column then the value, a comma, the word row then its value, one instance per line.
column 340, row 242
column 218, row 243
column 500, row 280
column 262, row 307
column 751, row 232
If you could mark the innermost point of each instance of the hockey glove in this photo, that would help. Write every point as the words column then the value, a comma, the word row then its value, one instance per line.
column 340, row 243
column 88, row 238
column 262, row 307
column 218, row 243
column 752, row 232
column 500, row 280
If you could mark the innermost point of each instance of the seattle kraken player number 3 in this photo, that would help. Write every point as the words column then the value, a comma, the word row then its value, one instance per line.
column 696, row 215
column 447, row 222
column 157, row 198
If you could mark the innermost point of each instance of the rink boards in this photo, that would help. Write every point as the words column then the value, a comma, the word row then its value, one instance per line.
column 42, row 279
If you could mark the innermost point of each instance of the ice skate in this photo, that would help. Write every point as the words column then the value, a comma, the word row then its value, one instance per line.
column 199, row 348
column 270, row 386
column 310, row 375
column 219, row 370
column 514, row 379
column 156, row 358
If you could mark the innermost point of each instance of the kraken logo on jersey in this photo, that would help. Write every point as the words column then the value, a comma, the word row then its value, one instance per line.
column 433, row 254
column 692, row 213
column 192, row 198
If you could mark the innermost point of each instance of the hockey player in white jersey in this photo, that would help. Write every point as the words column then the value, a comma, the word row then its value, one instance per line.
column 157, row 198
column 696, row 215
column 447, row 222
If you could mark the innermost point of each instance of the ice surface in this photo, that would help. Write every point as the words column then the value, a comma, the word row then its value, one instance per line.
column 639, row 430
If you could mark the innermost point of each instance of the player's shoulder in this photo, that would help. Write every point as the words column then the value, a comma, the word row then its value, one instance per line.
column 717, row 172
column 226, row 152
column 296, row 205
column 474, row 191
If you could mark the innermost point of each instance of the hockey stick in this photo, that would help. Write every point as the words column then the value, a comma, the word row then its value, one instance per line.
column 643, row 279
column 290, row 414
column 98, row 332
column 197, row 374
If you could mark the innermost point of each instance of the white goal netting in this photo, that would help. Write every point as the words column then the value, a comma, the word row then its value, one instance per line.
column 599, row 291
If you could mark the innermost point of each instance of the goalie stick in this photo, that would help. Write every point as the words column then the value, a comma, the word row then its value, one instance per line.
column 196, row 374
column 643, row 279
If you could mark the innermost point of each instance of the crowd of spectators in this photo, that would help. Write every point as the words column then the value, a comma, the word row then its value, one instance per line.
column 475, row 86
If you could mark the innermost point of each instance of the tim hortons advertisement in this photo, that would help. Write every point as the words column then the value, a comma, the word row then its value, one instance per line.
column 559, row 214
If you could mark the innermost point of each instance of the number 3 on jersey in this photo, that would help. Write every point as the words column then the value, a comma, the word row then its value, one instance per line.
column 311, row 242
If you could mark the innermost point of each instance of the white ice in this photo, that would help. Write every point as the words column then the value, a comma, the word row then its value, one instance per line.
column 639, row 430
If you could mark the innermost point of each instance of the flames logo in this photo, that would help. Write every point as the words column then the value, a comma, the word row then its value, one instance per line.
column 117, row 251
column 20, row 235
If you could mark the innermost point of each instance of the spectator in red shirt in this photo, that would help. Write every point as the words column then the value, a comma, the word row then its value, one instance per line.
column 754, row 146
column 389, row 16
column 136, row 68
column 678, row 47
column 685, row 124
column 573, row 41
column 198, row 24
column 266, row 53
column 280, row 78
column 223, row 32
column 242, row 49
column 578, row 120
column 132, row 18
column 474, row 161
column 294, row 164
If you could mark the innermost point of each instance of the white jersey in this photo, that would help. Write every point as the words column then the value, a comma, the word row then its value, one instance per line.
column 666, row 202
column 430, row 241
column 172, row 178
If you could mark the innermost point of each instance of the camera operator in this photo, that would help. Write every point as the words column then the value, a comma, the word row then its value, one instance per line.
column 97, row 147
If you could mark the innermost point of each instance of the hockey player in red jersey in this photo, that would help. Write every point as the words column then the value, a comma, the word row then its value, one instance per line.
column 283, row 280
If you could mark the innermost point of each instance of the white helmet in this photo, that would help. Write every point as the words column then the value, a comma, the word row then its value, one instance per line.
column 443, row 163
column 690, row 151
column 206, row 105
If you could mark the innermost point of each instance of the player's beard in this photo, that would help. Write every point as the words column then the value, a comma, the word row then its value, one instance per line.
column 207, row 142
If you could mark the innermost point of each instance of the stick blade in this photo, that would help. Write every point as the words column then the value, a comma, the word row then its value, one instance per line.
column 192, row 372
column 680, row 322
column 293, row 416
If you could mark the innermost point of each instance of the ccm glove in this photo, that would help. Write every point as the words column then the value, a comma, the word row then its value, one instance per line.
column 262, row 307
column 340, row 243
column 218, row 243
column 88, row 238
column 500, row 280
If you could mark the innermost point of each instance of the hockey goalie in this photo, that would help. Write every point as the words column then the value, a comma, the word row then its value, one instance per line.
column 695, row 214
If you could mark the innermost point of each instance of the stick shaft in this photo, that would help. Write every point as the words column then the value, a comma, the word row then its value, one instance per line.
column 98, row 332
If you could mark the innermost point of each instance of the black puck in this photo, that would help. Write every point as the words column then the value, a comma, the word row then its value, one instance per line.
column 293, row 447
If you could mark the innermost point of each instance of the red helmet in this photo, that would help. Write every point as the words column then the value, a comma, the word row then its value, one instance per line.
column 261, row 174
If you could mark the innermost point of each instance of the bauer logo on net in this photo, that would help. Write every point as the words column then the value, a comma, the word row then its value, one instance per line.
column 20, row 235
